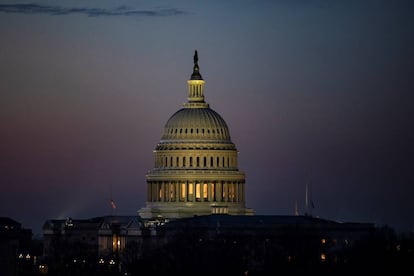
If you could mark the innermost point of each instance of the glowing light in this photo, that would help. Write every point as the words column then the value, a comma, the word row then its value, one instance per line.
column 43, row 269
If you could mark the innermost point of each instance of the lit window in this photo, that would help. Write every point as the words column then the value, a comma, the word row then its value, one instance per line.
column 198, row 192
column 205, row 191
column 183, row 192
column 190, row 188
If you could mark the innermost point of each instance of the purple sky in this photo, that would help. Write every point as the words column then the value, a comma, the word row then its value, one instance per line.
column 316, row 92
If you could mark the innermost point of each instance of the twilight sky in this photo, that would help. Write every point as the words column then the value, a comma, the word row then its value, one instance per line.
column 316, row 92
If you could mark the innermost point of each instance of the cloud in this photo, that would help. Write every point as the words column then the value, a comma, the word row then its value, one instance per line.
column 91, row 12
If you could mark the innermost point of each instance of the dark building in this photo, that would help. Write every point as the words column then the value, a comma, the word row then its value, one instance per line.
column 88, row 244
column 16, row 250
column 259, row 244
column 265, row 245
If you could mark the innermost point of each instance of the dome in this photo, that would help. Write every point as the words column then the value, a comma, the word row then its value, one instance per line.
column 196, row 124
column 195, row 170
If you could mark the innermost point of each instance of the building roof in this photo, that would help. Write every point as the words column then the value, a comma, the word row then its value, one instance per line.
column 92, row 223
column 6, row 221
column 263, row 222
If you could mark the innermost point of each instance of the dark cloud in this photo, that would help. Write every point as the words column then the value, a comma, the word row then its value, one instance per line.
column 57, row 10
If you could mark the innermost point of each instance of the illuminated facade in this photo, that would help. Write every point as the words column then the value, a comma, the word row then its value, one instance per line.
column 195, row 169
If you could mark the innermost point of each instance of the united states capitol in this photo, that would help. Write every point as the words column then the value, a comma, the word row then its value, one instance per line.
column 196, row 221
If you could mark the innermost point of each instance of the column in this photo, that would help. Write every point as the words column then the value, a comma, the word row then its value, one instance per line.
column 226, row 191
column 219, row 191
column 187, row 191
column 236, row 191
column 194, row 191
column 158, row 191
column 177, row 191
column 164, row 191
column 209, row 187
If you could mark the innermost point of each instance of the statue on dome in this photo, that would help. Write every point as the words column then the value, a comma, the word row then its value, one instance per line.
column 195, row 57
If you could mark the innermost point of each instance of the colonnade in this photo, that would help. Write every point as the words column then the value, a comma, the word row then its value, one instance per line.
column 195, row 191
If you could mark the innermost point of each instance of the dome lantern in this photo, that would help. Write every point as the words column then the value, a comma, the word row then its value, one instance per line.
column 195, row 87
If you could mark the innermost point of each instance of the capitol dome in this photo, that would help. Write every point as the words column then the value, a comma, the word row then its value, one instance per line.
column 195, row 170
column 196, row 124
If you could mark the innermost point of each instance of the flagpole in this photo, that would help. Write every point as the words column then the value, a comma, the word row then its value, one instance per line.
column 310, row 199
column 306, row 200
column 111, row 201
